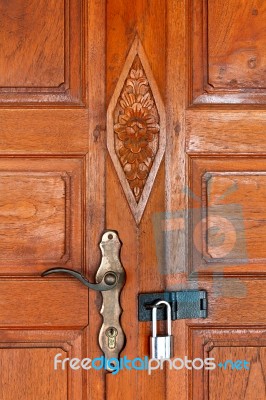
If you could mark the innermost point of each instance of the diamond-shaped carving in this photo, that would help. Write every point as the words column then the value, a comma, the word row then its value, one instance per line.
column 136, row 129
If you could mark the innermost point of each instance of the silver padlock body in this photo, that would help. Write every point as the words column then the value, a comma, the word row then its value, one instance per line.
column 161, row 347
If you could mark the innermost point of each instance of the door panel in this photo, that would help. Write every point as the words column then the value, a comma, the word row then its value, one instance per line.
column 42, row 52
column 31, row 354
column 225, row 346
column 55, row 303
column 40, row 213
column 228, row 192
column 208, row 131
column 227, row 45
column 27, row 381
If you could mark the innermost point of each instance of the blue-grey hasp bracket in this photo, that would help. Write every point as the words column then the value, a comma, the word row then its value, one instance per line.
column 184, row 304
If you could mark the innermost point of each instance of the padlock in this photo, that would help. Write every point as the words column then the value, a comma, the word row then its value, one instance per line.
column 161, row 347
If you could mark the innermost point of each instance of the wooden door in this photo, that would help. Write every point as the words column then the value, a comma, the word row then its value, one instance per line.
column 146, row 117
column 52, row 200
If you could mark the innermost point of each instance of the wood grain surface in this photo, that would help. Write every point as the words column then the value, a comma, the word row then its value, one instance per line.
column 60, row 65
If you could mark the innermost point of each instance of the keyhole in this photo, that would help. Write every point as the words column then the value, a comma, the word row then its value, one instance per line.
column 111, row 333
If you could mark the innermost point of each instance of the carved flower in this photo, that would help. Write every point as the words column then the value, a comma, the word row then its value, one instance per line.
column 136, row 128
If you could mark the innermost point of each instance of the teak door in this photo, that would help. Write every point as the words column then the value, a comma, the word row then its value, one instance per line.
column 148, row 118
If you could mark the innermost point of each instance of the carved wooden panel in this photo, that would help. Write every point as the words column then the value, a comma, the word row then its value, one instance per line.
column 40, row 213
column 136, row 129
column 228, row 51
column 246, row 347
column 228, row 214
column 27, row 365
column 41, row 52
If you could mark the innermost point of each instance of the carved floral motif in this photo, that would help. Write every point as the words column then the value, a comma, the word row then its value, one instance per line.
column 137, row 128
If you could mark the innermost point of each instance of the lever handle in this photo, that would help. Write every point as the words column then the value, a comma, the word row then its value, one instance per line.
column 108, row 282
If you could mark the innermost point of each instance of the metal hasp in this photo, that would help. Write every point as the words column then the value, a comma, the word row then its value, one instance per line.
column 110, row 279
column 184, row 304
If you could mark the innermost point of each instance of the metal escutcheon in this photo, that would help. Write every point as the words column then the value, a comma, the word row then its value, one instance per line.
column 109, row 280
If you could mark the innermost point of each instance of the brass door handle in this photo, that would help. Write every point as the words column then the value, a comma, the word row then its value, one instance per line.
column 110, row 279
column 108, row 282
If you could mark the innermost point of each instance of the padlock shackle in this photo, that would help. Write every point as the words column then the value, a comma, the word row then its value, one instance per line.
column 154, row 317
